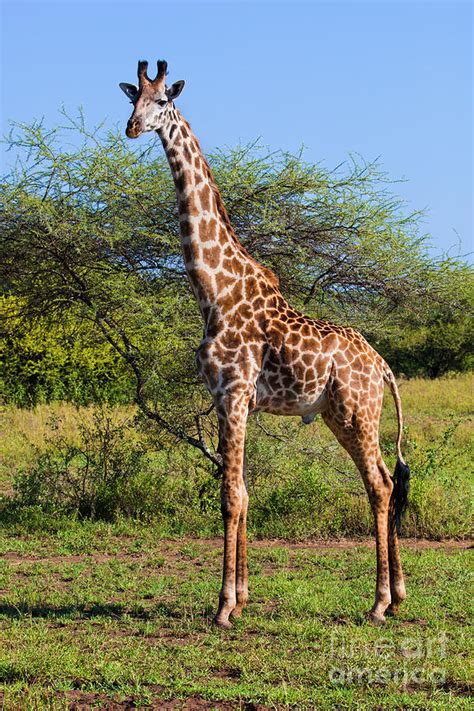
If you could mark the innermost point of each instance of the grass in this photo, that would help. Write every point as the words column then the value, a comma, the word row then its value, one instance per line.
column 26, row 431
column 118, row 615
column 125, row 618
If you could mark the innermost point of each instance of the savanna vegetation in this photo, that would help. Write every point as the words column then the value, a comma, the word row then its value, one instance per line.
column 106, row 463
column 97, row 312
column 109, row 493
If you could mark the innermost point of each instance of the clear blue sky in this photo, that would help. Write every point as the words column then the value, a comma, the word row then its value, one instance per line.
column 389, row 79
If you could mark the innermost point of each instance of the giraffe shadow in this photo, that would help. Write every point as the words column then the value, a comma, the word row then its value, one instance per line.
column 87, row 612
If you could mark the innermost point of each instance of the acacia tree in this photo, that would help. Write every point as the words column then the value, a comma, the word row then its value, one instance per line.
column 91, row 231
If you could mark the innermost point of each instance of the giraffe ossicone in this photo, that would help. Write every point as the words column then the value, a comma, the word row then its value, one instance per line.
column 260, row 354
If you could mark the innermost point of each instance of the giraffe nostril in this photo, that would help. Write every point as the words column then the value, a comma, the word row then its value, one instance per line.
column 133, row 128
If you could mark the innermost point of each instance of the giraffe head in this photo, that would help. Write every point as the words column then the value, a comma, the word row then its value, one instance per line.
column 152, row 100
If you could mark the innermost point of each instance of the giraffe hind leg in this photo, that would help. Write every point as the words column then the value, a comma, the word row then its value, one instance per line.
column 364, row 451
column 397, row 582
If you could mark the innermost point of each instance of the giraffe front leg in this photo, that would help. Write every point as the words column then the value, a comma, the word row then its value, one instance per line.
column 241, row 578
column 232, row 414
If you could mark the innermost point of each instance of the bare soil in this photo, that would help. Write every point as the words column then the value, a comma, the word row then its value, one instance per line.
column 171, row 548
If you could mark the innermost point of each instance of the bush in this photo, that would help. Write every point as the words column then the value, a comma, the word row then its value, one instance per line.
column 96, row 478
column 103, row 463
column 41, row 362
column 440, row 497
column 106, row 468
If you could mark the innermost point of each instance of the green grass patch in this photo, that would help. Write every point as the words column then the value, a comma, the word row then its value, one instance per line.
column 129, row 618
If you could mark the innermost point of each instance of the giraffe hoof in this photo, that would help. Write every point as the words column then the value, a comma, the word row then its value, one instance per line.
column 223, row 624
column 376, row 619
column 393, row 609
column 236, row 612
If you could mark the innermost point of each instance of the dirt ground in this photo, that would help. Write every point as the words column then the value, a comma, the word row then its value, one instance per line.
column 169, row 546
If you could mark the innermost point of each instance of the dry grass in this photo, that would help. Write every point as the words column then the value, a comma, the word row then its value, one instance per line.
column 24, row 432
column 438, row 445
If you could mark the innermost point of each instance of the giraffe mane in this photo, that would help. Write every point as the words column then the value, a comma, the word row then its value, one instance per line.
column 270, row 276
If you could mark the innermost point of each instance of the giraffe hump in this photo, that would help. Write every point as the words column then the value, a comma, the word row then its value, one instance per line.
column 270, row 276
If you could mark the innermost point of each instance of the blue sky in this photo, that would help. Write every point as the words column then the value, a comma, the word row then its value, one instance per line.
column 388, row 79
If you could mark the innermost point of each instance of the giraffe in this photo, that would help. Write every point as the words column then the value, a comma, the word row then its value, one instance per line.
column 260, row 354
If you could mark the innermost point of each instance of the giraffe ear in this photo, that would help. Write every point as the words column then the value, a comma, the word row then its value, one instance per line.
column 129, row 89
column 175, row 90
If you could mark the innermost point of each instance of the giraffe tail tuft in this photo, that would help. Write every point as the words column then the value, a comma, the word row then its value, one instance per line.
column 401, row 476
column 401, row 480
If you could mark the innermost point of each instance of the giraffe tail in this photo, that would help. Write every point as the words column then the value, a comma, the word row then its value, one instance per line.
column 401, row 476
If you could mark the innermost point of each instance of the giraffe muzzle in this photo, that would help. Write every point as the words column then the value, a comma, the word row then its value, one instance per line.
column 133, row 129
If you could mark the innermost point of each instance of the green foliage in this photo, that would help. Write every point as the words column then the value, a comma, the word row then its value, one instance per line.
column 298, row 486
column 105, row 467
column 68, row 361
column 444, row 344
column 89, row 240
column 442, row 341
column 98, row 478
column 441, row 502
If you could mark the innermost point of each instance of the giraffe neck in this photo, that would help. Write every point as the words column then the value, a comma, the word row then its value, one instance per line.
column 214, row 258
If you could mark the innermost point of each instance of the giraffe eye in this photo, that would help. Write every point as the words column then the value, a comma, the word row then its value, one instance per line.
column 162, row 102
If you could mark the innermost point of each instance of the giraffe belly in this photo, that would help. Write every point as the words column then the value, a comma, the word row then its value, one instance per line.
column 290, row 402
